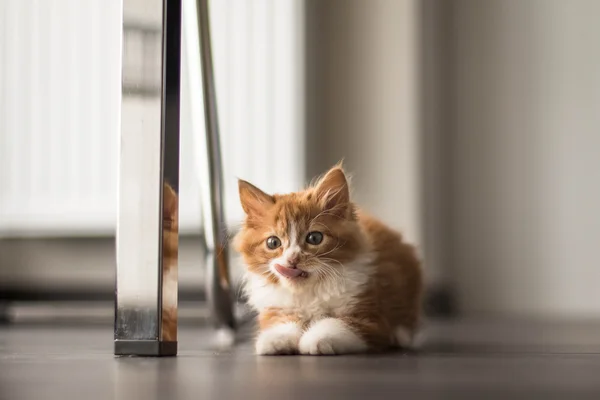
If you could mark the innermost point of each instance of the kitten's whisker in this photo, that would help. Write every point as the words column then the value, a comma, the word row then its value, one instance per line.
column 335, row 261
column 329, row 270
column 337, row 247
column 327, row 275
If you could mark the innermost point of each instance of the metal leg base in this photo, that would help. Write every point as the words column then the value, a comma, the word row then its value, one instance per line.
column 145, row 348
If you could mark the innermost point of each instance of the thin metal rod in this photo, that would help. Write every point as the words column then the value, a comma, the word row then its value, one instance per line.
column 217, row 262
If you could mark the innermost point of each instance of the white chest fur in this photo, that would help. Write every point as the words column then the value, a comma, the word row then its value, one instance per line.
column 332, row 297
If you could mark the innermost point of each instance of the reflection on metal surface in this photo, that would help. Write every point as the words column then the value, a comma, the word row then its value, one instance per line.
column 217, row 263
column 147, row 228
column 170, row 249
column 141, row 59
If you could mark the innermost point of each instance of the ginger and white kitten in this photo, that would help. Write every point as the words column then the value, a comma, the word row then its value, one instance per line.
column 325, row 277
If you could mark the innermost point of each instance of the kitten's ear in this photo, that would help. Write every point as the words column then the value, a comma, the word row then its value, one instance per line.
column 254, row 200
column 332, row 190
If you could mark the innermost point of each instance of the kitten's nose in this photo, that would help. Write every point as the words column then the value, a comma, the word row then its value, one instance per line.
column 292, row 262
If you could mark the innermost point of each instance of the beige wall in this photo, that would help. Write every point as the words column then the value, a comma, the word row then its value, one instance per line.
column 525, row 194
column 475, row 127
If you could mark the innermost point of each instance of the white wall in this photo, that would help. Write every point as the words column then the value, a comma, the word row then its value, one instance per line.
column 59, row 103
column 259, row 77
column 525, row 156
column 60, row 100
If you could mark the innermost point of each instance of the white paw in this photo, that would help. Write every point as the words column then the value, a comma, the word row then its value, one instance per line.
column 279, row 339
column 407, row 339
column 331, row 336
column 404, row 337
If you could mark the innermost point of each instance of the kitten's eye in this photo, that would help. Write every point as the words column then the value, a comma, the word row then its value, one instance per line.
column 314, row 238
column 273, row 242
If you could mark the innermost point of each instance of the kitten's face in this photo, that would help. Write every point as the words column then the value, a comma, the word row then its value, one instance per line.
column 300, row 238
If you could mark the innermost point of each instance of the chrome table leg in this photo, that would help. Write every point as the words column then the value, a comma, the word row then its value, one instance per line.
column 146, row 281
column 218, row 284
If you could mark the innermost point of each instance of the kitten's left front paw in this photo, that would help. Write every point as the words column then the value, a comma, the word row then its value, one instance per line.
column 331, row 336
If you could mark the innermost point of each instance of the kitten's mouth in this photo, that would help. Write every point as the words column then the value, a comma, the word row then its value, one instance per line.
column 290, row 273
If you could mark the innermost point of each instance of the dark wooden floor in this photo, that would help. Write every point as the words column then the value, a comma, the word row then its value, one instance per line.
column 481, row 360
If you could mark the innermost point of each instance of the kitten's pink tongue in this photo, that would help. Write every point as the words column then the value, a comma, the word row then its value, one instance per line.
column 288, row 272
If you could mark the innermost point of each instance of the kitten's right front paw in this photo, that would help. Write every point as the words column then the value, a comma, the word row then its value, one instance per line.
column 279, row 339
column 331, row 336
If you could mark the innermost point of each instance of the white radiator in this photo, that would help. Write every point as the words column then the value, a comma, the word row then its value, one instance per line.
column 60, row 93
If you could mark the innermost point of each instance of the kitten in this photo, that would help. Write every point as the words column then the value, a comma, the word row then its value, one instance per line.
column 325, row 277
